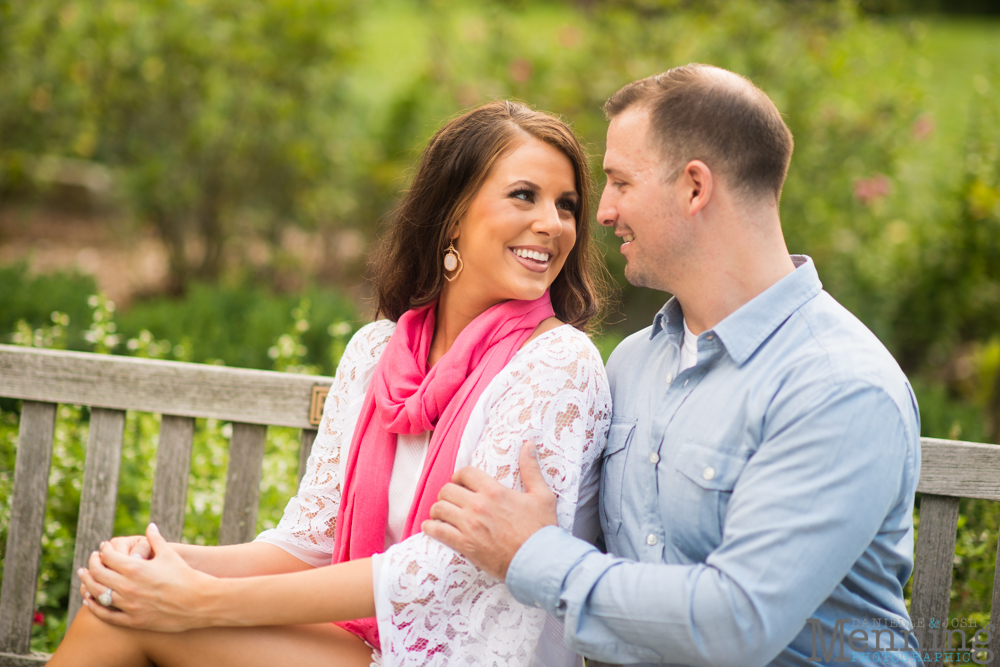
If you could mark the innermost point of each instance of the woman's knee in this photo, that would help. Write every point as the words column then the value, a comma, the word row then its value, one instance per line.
column 90, row 640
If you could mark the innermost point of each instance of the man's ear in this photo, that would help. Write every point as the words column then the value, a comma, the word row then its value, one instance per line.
column 698, row 182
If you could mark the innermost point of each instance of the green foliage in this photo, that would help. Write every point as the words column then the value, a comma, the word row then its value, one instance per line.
column 208, row 110
column 283, row 324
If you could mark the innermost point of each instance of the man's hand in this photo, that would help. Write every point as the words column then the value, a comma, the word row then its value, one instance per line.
column 487, row 522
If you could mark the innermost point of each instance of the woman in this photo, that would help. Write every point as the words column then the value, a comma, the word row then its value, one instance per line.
column 482, row 278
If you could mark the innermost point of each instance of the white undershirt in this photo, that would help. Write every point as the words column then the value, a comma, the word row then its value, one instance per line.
column 689, row 350
column 406, row 468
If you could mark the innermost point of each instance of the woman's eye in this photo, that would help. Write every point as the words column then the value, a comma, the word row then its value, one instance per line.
column 570, row 205
column 523, row 195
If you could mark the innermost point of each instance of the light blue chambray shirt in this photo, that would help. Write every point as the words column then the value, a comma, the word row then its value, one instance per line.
column 770, row 484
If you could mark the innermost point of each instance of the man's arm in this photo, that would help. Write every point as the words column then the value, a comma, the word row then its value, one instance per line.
column 805, row 508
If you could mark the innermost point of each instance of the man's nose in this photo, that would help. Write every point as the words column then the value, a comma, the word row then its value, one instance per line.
column 607, row 213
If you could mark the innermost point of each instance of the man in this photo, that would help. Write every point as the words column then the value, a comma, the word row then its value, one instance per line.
column 757, row 487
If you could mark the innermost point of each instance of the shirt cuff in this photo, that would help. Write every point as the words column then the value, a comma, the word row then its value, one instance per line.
column 536, row 574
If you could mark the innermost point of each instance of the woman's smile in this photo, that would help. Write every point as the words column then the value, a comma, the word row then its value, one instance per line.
column 533, row 258
column 519, row 227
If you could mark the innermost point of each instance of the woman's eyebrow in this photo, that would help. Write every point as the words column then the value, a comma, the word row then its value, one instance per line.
column 524, row 182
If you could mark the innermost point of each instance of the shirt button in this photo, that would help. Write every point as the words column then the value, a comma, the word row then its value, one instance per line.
column 670, row 378
column 708, row 473
column 709, row 337
column 651, row 540
column 685, row 383
column 654, row 458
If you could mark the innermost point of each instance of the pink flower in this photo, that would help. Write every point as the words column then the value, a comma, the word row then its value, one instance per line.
column 520, row 70
column 38, row 618
column 870, row 190
column 923, row 127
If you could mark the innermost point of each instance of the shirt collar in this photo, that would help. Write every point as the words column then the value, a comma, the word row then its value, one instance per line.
column 744, row 330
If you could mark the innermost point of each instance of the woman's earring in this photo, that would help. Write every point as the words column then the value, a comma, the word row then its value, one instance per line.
column 452, row 262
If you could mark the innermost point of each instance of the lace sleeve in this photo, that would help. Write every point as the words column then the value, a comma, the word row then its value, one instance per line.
column 434, row 607
column 307, row 526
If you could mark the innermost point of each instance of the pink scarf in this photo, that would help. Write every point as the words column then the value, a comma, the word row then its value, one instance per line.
column 406, row 397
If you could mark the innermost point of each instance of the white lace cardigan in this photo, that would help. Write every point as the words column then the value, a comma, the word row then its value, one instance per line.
column 433, row 606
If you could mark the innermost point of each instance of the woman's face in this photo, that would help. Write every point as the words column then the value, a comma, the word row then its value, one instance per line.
column 519, row 228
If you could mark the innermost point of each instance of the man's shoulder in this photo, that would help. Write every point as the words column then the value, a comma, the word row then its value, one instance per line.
column 826, row 344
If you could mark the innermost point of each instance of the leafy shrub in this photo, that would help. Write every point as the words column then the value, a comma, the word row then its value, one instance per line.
column 283, row 328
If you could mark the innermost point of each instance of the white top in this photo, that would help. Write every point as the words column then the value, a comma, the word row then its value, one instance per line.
column 689, row 350
column 433, row 606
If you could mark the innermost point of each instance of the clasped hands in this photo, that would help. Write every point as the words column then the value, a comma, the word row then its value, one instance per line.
column 151, row 586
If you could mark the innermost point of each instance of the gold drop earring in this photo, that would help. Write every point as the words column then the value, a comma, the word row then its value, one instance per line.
column 452, row 262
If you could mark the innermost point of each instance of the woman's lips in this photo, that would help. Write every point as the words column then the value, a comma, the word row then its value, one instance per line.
column 531, row 264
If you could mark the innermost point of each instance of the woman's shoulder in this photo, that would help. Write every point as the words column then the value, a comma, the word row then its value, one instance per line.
column 367, row 344
column 561, row 347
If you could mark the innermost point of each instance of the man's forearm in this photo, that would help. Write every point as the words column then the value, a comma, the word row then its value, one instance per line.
column 624, row 611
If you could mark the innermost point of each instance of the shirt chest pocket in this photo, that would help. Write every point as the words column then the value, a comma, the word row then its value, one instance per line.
column 612, row 474
column 700, row 486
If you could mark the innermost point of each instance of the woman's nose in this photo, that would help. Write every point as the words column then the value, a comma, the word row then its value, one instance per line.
column 549, row 222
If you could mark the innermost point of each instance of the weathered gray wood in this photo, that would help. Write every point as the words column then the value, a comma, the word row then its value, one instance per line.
column 246, row 458
column 308, row 438
column 27, row 523
column 953, row 468
column 151, row 385
column 33, row 660
column 933, row 568
column 173, row 466
column 99, row 493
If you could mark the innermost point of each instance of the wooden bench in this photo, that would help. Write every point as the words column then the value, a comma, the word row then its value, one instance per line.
column 109, row 385
column 253, row 400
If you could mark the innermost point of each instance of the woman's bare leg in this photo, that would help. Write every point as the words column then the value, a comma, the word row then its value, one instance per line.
column 91, row 641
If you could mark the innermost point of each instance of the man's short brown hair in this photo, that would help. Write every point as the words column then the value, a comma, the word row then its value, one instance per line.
column 700, row 112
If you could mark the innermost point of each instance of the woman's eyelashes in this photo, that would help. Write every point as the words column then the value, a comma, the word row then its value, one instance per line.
column 570, row 204
column 524, row 194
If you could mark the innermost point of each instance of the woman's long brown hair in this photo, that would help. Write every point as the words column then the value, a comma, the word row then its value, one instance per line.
column 407, row 263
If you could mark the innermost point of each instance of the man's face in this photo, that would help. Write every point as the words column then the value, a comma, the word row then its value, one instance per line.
column 641, row 205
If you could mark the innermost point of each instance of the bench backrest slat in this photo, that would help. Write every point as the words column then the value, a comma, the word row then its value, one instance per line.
column 954, row 468
column 246, row 460
column 933, row 564
column 308, row 438
column 27, row 523
column 173, row 466
column 162, row 387
column 99, row 494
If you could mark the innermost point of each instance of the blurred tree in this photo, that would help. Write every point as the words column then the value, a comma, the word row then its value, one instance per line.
column 213, row 112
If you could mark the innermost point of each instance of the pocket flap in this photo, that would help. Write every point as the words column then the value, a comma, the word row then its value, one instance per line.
column 618, row 436
column 709, row 468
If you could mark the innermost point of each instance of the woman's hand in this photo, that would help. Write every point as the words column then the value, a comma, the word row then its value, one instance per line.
column 162, row 593
column 136, row 546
